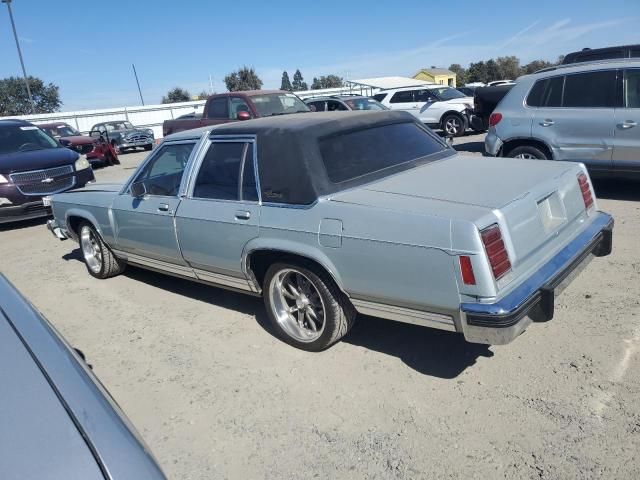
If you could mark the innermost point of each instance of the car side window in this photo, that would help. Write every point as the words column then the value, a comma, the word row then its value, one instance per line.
column 551, row 96
column 319, row 106
column 218, row 108
column 227, row 173
column 237, row 105
column 333, row 105
column 163, row 173
column 424, row 95
column 632, row 88
column 590, row 90
column 402, row 97
column 379, row 96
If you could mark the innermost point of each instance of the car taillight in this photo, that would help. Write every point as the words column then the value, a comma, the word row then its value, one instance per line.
column 496, row 251
column 585, row 189
column 466, row 269
column 494, row 119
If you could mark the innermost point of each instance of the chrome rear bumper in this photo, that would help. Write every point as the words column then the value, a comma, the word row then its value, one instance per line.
column 500, row 322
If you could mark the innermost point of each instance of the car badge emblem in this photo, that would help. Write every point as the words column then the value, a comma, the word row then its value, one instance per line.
column 47, row 180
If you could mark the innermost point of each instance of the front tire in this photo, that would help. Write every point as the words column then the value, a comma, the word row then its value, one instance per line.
column 454, row 125
column 306, row 307
column 527, row 152
column 98, row 258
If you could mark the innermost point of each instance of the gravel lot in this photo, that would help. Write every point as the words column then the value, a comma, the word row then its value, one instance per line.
column 217, row 396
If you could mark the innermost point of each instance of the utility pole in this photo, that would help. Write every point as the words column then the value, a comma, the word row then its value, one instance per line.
column 210, row 85
column 136, row 75
column 24, row 71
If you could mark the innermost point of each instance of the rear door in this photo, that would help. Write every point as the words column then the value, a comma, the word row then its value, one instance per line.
column 144, row 226
column 576, row 117
column 221, row 211
column 626, row 153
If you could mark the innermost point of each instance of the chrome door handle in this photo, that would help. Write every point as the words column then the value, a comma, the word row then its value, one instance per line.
column 547, row 123
column 627, row 124
column 243, row 215
column 163, row 207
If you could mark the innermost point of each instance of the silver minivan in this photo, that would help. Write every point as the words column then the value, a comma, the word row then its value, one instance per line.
column 587, row 112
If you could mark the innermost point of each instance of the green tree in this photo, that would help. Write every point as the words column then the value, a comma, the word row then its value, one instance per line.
column 534, row 66
column 328, row 81
column 477, row 72
column 176, row 95
column 461, row 73
column 493, row 71
column 14, row 99
column 245, row 78
column 285, row 84
column 203, row 95
column 508, row 67
column 298, row 82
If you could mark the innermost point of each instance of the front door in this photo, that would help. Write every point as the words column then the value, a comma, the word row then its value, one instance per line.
column 144, row 226
column 404, row 100
column 576, row 118
column 626, row 152
column 431, row 109
column 221, row 212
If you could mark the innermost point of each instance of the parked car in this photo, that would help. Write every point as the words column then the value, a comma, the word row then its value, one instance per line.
column 58, row 420
column 435, row 105
column 329, row 215
column 123, row 136
column 234, row 106
column 485, row 101
column 343, row 102
column 467, row 91
column 495, row 83
column 97, row 150
column 33, row 166
column 588, row 113
column 607, row 53
column 190, row 116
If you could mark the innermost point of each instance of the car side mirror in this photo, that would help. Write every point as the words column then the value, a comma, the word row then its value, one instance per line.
column 138, row 189
column 243, row 115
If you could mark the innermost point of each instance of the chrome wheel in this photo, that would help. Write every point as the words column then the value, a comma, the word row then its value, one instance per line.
column 297, row 305
column 453, row 125
column 527, row 156
column 91, row 249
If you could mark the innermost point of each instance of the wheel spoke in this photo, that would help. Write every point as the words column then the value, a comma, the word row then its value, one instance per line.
column 301, row 318
column 311, row 321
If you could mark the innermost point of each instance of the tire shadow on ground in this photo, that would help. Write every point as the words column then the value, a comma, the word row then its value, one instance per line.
column 428, row 351
column 17, row 225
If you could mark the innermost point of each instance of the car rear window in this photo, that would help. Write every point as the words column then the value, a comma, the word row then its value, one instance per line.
column 361, row 152
column 546, row 93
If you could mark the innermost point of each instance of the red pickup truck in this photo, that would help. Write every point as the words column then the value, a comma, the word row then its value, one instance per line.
column 234, row 106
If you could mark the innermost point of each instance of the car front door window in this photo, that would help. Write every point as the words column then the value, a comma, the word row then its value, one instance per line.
column 163, row 173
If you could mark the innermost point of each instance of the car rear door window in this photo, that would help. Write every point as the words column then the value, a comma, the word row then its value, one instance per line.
column 402, row 97
column 632, row 88
column 424, row 95
column 590, row 90
column 333, row 105
column 218, row 108
column 227, row 173
column 319, row 106
column 355, row 154
column 163, row 173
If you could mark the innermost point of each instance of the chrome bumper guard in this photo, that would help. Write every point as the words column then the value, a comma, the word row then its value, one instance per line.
column 58, row 232
column 500, row 322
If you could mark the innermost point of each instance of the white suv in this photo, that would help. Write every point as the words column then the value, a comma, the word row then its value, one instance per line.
column 436, row 105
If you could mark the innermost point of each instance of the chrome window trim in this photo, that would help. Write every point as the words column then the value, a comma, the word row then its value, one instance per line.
column 213, row 138
column 125, row 189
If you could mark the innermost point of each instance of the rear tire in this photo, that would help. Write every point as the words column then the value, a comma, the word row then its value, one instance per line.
column 98, row 258
column 527, row 152
column 453, row 125
column 306, row 307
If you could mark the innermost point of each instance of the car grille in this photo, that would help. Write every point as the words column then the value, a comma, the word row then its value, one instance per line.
column 138, row 139
column 83, row 149
column 44, row 182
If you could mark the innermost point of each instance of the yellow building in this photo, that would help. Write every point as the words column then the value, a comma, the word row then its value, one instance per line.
column 441, row 76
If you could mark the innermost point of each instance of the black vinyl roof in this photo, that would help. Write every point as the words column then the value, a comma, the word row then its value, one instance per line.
column 290, row 166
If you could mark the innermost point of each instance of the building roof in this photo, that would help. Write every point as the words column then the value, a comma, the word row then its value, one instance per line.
column 389, row 82
column 436, row 71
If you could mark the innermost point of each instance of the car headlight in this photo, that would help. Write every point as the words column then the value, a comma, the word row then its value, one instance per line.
column 3, row 179
column 82, row 163
column 149, row 132
column 5, row 201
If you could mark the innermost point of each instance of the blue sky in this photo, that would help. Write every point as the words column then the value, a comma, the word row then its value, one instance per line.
column 87, row 47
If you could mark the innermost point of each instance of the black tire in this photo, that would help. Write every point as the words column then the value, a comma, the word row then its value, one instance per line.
column 109, row 264
column 148, row 147
column 527, row 152
column 339, row 313
column 453, row 119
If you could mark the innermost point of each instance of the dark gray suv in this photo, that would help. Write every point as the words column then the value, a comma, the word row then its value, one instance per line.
column 587, row 112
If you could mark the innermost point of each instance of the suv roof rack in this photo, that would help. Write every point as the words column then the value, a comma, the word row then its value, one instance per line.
column 586, row 64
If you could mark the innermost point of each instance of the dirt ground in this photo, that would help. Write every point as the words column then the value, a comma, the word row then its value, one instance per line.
column 216, row 396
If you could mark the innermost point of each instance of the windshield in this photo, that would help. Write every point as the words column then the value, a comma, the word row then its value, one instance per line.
column 61, row 131
column 365, row 104
column 447, row 93
column 362, row 152
column 278, row 104
column 115, row 126
column 24, row 138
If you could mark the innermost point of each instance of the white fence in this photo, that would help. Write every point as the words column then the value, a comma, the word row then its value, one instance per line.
column 149, row 116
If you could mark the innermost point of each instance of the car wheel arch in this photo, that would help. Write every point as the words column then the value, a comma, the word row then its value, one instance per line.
column 258, row 258
column 512, row 143
column 75, row 218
